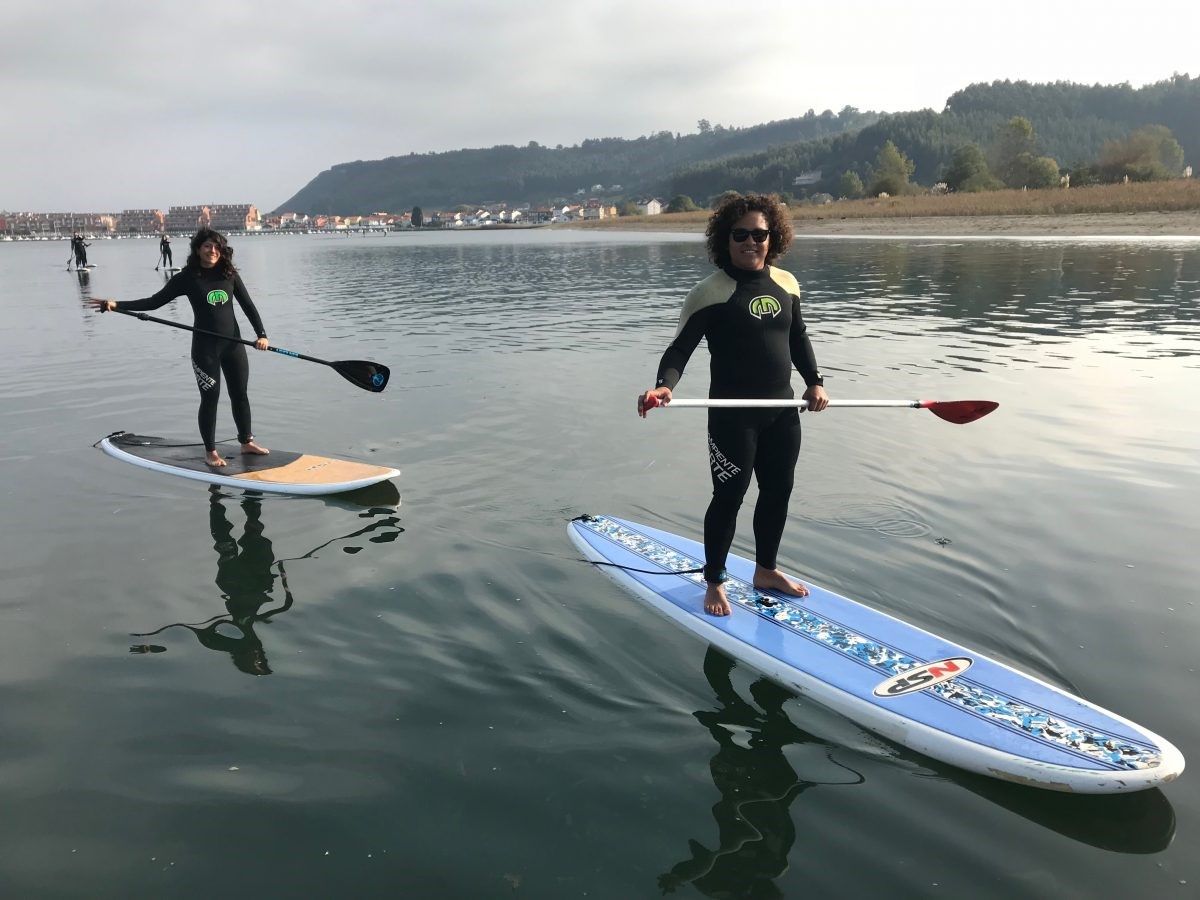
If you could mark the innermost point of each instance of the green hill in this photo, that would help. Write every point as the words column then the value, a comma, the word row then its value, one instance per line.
column 538, row 174
column 1072, row 123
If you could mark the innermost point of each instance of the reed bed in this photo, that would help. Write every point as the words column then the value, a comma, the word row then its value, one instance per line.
column 1181, row 195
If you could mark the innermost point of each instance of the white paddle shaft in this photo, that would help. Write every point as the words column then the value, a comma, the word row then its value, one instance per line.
column 802, row 404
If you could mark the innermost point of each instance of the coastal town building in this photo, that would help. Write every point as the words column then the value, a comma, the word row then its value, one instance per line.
column 141, row 221
column 569, row 212
column 221, row 216
column 243, row 217
column 288, row 221
column 55, row 224
column 188, row 218
column 180, row 219
column 594, row 209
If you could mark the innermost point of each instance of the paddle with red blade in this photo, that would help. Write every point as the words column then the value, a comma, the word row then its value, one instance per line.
column 370, row 376
column 960, row 412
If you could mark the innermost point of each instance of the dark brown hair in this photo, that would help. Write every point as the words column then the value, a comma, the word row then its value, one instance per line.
column 224, row 264
column 736, row 206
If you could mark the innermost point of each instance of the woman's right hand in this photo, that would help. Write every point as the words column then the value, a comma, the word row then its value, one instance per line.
column 103, row 305
column 661, row 396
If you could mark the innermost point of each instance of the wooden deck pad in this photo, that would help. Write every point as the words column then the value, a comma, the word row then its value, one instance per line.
column 308, row 469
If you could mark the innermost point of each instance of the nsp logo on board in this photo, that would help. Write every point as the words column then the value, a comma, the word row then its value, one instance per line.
column 922, row 677
column 765, row 306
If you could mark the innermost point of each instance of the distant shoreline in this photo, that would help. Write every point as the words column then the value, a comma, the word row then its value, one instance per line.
column 1138, row 224
column 1143, row 224
column 1088, row 224
column 1139, row 209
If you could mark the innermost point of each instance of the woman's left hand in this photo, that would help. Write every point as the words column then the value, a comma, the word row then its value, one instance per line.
column 262, row 344
column 816, row 397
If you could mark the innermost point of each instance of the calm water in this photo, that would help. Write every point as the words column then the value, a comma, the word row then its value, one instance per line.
column 441, row 701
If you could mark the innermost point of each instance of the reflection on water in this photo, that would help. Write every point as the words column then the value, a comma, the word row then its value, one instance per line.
column 250, row 579
column 84, row 279
column 520, row 703
column 458, row 296
column 993, row 298
column 1143, row 822
column 757, row 785
column 246, row 578
column 986, row 305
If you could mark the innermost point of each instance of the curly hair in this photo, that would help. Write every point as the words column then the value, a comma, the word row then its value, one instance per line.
column 224, row 264
column 736, row 206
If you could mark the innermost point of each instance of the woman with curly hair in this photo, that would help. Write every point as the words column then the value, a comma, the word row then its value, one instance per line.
column 209, row 280
column 749, row 311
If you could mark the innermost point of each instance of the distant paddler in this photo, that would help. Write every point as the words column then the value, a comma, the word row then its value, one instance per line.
column 79, row 251
column 164, row 252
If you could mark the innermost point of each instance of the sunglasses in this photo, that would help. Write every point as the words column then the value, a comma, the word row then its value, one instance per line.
column 759, row 234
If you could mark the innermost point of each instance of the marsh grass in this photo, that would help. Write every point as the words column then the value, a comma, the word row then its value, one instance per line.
column 1137, row 197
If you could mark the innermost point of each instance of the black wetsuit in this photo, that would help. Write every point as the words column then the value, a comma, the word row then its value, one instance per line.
column 755, row 335
column 80, row 248
column 164, row 252
column 210, row 292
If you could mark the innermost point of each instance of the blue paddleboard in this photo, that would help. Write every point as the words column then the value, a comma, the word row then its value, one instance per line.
column 912, row 687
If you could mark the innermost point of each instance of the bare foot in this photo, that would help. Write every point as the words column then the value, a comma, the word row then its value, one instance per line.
column 213, row 458
column 252, row 448
column 774, row 580
column 715, row 601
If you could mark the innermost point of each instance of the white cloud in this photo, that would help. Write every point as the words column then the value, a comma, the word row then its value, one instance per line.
column 126, row 104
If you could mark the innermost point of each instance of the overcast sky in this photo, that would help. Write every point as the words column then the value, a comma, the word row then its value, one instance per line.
column 129, row 104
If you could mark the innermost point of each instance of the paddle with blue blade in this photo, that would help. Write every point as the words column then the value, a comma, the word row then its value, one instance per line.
column 370, row 376
column 960, row 412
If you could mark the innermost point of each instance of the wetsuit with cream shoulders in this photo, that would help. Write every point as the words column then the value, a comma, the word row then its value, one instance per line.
column 756, row 334
column 211, row 293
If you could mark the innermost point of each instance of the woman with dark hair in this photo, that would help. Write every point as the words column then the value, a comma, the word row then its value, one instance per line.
column 749, row 311
column 79, row 247
column 164, row 252
column 209, row 280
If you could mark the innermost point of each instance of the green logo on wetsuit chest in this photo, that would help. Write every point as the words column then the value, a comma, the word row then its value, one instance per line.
column 765, row 306
column 216, row 298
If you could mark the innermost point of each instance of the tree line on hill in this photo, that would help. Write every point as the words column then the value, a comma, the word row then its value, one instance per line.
column 1013, row 161
column 986, row 138
column 538, row 174
column 1006, row 133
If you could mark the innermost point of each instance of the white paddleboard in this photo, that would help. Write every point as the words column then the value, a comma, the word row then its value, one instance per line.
column 913, row 687
column 279, row 472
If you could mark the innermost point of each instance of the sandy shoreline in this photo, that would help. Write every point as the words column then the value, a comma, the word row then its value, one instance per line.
column 1141, row 224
